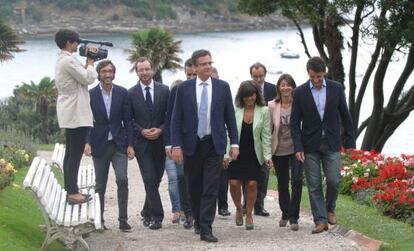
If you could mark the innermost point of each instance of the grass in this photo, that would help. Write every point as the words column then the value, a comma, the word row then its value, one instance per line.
column 46, row 147
column 20, row 218
column 394, row 234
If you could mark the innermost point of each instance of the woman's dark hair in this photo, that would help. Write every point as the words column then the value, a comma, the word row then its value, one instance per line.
column 65, row 35
column 247, row 89
column 291, row 82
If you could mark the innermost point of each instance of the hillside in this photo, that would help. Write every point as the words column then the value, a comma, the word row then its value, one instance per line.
column 40, row 17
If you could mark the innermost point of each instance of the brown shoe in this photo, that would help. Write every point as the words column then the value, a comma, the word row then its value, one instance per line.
column 332, row 218
column 319, row 228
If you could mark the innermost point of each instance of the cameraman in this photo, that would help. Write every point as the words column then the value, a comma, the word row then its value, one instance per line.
column 73, row 108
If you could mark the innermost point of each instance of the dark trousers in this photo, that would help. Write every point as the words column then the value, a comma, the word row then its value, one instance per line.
column 261, row 188
column 184, row 197
column 203, row 171
column 289, row 203
column 120, row 164
column 223, row 190
column 75, row 143
column 152, row 165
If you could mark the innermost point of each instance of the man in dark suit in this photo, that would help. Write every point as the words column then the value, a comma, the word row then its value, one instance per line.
column 258, row 74
column 110, row 138
column 202, row 113
column 149, row 101
column 318, row 109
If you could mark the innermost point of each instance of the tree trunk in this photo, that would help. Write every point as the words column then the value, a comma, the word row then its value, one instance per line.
column 334, row 43
column 158, row 77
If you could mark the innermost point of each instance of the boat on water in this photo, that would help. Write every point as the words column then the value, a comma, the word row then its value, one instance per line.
column 289, row 54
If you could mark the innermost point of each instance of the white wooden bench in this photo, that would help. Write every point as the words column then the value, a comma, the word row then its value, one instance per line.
column 86, row 175
column 64, row 221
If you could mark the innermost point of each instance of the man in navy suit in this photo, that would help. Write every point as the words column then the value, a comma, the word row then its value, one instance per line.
column 202, row 113
column 149, row 100
column 110, row 138
column 318, row 109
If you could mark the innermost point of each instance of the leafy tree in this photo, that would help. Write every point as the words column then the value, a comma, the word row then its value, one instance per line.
column 388, row 23
column 159, row 46
column 9, row 42
column 42, row 95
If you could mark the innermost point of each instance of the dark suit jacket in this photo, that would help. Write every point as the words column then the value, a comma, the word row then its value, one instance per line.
column 119, row 122
column 306, row 124
column 142, row 119
column 269, row 92
column 184, row 120
column 167, row 123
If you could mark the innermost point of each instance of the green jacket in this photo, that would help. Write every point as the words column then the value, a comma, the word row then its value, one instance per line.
column 261, row 131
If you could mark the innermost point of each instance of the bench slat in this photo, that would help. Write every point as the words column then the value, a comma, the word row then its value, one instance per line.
column 75, row 216
column 56, row 203
column 97, row 219
column 49, row 186
column 31, row 173
column 52, row 195
column 39, row 176
column 83, row 218
column 62, row 205
column 68, row 215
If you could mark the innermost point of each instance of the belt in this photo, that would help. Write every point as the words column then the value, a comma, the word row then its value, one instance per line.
column 206, row 137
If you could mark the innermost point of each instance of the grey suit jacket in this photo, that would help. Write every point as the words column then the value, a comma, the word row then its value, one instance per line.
column 143, row 119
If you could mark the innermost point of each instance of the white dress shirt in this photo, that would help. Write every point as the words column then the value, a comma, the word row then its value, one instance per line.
column 151, row 90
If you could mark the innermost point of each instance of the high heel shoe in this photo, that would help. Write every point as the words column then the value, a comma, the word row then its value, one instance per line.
column 239, row 221
column 249, row 226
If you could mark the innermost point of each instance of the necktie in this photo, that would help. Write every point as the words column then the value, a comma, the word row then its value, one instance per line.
column 202, row 113
column 148, row 99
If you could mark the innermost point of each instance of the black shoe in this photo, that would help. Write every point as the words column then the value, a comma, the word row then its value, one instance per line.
column 124, row 226
column 196, row 229
column 224, row 212
column 188, row 223
column 146, row 222
column 208, row 238
column 263, row 212
column 155, row 225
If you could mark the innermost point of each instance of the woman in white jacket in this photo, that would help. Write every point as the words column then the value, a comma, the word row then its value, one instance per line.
column 73, row 109
column 283, row 153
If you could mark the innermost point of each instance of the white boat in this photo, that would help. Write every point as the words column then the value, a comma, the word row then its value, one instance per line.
column 289, row 54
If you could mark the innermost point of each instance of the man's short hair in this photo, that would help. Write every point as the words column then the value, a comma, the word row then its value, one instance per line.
column 140, row 60
column 65, row 35
column 258, row 65
column 316, row 64
column 188, row 63
column 198, row 54
column 103, row 64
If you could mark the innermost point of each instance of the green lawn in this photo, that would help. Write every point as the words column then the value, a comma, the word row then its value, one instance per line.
column 20, row 218
column 394, row 234
column 46, row 147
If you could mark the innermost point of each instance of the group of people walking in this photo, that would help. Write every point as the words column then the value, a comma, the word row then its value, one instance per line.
column 203, row 140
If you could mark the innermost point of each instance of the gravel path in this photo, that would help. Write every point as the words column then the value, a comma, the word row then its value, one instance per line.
column 267, row 235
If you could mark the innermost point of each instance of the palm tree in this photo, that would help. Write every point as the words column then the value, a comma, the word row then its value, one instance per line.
column 9, row 42
column 159, row 46
column 43, row 95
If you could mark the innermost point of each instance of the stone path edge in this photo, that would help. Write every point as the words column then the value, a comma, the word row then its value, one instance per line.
column 364, row 242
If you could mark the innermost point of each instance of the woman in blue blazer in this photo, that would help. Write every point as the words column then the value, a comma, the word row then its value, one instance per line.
column 253, row 125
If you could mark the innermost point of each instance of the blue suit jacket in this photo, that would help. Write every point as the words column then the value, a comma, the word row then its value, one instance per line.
column 306, row 124
column 184, row 120
column 119, row 122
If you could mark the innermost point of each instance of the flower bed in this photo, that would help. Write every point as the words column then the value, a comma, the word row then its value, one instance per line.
column 386, row 183
column 10, row 160
column 16, row 151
